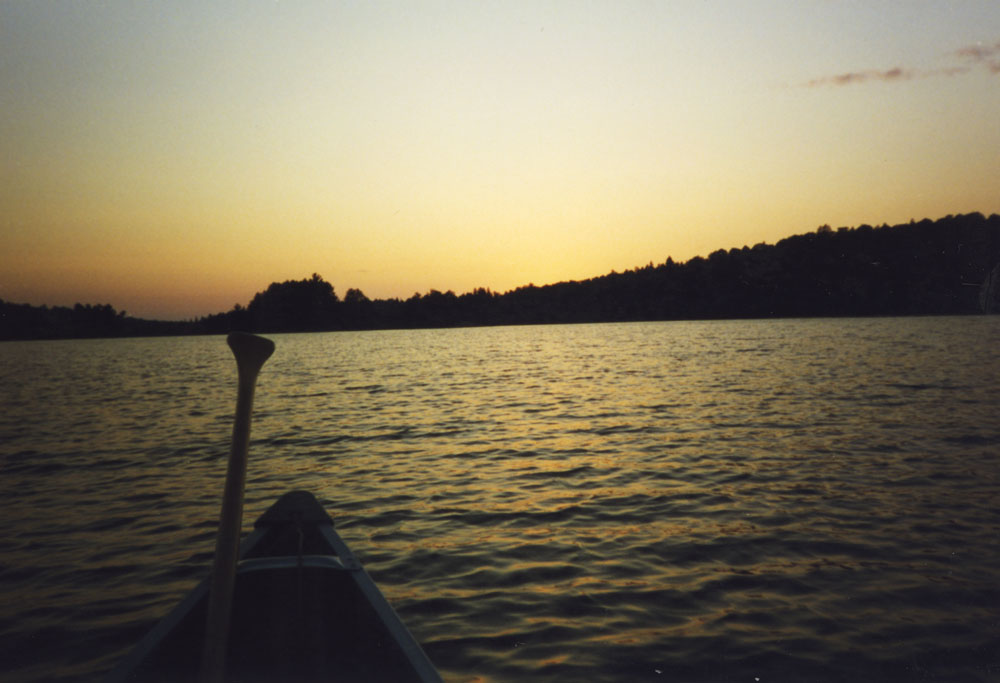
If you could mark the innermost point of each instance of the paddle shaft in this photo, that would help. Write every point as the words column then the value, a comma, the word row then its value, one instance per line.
column 250, row 352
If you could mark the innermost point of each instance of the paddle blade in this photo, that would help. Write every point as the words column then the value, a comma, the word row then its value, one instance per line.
column 250, row 350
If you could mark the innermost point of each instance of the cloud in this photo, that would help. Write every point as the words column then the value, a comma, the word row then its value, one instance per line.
column 894, row 74
column 979, row 54
column 972, row 56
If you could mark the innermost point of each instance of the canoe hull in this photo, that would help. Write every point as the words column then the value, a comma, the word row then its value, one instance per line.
column 303, row 610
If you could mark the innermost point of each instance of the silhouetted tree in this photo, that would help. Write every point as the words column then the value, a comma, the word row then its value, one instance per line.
column 358, row 310
column 295, row 306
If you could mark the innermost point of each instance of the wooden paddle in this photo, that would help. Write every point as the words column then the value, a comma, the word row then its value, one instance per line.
column 251, row 352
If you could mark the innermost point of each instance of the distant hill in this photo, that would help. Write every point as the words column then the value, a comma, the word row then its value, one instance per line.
column 920, row 268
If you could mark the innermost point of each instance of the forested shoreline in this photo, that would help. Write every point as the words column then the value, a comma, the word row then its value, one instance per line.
column 919, row 268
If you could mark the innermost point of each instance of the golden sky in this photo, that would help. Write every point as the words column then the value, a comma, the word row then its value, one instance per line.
column 172, row 159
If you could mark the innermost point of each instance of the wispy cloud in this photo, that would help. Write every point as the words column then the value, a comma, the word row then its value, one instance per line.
column 971, row 57
column 979, row 54
column 894, row 74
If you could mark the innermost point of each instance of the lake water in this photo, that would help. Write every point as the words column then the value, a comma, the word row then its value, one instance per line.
column 681, row 501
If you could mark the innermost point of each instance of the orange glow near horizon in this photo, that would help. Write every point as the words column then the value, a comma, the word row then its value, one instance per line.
column 174, row 161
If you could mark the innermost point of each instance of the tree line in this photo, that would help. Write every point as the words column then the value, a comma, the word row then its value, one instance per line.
column 23, row 321
column 920, row 268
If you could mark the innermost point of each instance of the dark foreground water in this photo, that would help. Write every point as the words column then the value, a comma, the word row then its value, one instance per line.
column 805, row 500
